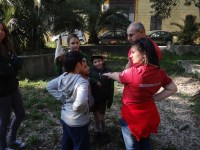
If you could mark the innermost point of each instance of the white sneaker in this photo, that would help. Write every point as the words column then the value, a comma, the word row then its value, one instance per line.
column 7, row 148
column 17, row 144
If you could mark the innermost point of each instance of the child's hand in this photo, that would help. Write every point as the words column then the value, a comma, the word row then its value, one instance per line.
column 99, row 83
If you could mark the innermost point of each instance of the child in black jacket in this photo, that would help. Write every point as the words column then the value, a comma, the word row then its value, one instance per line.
column 102, row 90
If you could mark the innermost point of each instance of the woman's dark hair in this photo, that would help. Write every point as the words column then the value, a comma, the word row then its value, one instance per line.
column 6, row 45
column 146, row 46
column 71, row 59
column 70, row 36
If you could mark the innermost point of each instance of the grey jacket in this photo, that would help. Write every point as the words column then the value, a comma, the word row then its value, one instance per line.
column 73, row 91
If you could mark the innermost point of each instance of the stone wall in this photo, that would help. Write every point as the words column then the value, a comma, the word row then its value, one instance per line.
column 36, row 66
column 186, row 49
column 43, row 65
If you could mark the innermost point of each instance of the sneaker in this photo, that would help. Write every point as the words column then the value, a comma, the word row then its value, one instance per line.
column 17, row 144
column 7, row 148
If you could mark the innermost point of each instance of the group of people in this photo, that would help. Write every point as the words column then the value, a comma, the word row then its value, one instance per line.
column 142, row 78
column 83, row 89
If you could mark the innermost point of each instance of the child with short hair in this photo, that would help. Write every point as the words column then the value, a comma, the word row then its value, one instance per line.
column 73, row 90
column 102, row 90
column 73, row 43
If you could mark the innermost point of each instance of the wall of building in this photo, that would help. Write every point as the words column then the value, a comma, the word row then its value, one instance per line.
column 177, row 15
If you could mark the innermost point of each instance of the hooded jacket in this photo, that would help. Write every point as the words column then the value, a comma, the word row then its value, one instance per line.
column 73, row 91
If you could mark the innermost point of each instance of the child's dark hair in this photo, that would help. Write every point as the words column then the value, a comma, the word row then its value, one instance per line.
column 71, row 59
column 70, row 36
column 146, row 46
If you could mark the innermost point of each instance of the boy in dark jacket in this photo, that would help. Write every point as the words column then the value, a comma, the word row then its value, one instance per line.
column 102, row 90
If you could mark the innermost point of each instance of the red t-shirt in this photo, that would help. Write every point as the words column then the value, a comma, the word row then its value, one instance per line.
column 139, row 109
column 141, row 83
column 158, row 51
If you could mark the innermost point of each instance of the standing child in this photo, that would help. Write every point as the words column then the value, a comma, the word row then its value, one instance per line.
column 73, row 90
column 102, row 90
column 74, row 45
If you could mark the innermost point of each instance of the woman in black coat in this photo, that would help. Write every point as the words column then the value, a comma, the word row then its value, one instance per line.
column 10, row 97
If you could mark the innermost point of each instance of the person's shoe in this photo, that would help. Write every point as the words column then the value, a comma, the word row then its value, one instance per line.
column 8, row 148
column 17, row 144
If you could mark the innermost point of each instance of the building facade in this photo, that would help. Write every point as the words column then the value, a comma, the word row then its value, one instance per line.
column 139, row 10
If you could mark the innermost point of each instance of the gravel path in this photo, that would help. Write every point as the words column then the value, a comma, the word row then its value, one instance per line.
column 179, row 128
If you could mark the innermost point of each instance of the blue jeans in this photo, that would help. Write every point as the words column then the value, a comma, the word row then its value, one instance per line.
column 7, row 104
column 130, row 141
column 75, row 138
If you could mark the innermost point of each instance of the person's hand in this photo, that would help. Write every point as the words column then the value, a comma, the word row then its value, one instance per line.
column 109, row 103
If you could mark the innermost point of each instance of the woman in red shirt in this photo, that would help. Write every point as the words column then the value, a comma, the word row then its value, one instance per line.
column 142, row 81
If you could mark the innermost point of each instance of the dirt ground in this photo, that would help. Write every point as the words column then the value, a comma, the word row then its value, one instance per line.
column 179, row 128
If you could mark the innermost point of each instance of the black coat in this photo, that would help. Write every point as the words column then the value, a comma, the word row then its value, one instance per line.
column 106, row 90
column 8, row 81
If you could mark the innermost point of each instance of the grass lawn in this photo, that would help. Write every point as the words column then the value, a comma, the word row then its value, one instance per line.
column 41, row 128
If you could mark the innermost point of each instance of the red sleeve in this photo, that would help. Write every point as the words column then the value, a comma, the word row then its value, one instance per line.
column 126, row 76
column 130, row 75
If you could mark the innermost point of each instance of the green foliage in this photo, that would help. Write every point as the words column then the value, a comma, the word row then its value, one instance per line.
column 31, row 22
column 190, row 31
column 112, row 19
column 164, row 7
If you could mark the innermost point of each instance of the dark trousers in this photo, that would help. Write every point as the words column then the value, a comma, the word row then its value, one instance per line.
column 75, row 138
column 7, row 104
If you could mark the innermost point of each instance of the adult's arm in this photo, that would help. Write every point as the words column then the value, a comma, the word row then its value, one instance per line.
column 113, row 75
column 166, row 92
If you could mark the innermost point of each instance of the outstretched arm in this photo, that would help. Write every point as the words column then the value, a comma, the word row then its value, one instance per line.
column 113, row 75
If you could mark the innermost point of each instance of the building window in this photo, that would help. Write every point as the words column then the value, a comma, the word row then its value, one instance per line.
column 156, row 23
